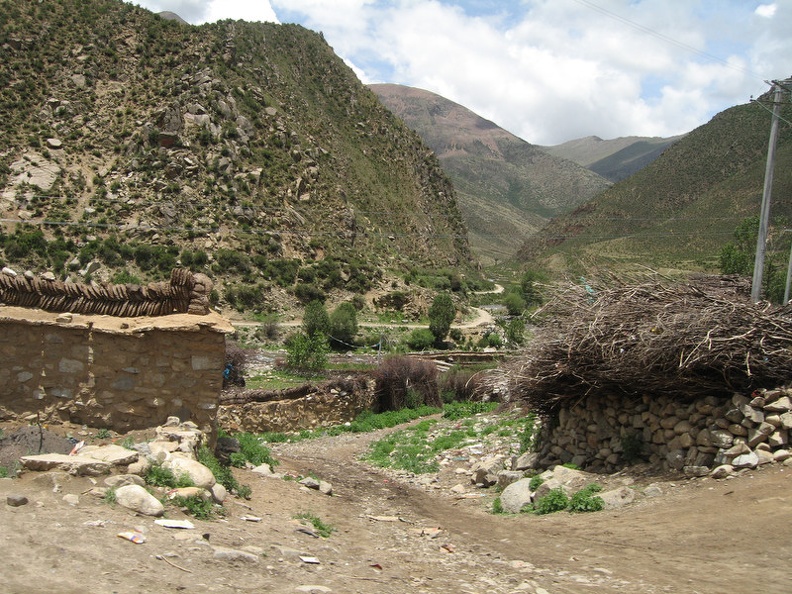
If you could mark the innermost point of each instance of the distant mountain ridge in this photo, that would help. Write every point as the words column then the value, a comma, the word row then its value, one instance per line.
column 507, row 188
column 614, row 159
column 678, row 212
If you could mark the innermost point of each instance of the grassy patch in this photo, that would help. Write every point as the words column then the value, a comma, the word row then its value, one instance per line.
column 322, row 529
column 196, row 506
column 222, row 474
column 461, row 409
column 159, row 476
column 586, row 501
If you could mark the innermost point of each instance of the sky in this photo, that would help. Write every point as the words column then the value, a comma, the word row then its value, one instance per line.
column 550, row 71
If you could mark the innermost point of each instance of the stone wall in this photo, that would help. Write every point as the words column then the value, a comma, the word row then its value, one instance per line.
column 606, row 433
column 123, row 374
column 307, row 407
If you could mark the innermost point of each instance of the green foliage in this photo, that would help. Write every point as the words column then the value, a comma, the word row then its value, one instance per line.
column 420, row 339
column 252, row 450
column 306, row 293
column 585, row 500
column 159, row 476
column 322, row 529
column 3, row 472
column 110, row 496
column 316, row 321
column 527, row 433
column 529, row 288
column 222, row 474
column 515, row 304
column 196, row 506
column 441, row 315
column 103, row 433
column 307, row 352
column 535, row 482
column 497, row 506
column 515, row 331
column 556, row 500
column 343, row 324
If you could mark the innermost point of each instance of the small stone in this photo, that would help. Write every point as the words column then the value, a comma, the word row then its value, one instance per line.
column 749, row 460
column 695, row 471
column 618, row 497
column 219, row 493
column 458, row 488
column 16, row 500
column 71, row 499
column 764, row 457
column 226, row 554
column 325, row 488
column 139, row 500
column 781, row 455
column 782, row 405
column 310, row 483
column 722, row 471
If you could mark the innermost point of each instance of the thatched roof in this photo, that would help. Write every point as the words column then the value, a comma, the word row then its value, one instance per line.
column 688, row 339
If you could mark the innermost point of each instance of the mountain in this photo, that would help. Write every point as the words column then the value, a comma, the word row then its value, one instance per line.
column 614, row 159
column 130, row 143
column 678, row 212
column 508, row 189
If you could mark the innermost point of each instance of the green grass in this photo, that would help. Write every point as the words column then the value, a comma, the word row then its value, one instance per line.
column 468, row 408
column 322, row 529
column 280, row 379
column 158, row 476
column 222, row 474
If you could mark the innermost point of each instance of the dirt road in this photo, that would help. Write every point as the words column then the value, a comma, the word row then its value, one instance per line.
column 400, row 534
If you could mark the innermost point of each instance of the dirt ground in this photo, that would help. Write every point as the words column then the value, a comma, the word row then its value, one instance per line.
column 394, row 533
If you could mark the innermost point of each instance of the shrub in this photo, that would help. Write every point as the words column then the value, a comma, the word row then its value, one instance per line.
column 462, row 383
column 396, row 376
column 306, row 293
column 515, row 304
column 556, row 500
column 535, row 482
column 585, row 500
column 420, row 339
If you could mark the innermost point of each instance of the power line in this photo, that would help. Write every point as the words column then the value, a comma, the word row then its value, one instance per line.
column 663, row 37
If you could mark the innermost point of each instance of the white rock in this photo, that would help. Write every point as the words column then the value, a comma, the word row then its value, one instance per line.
column 139, row 500
column 114, row 454
column 722, row 471
column 219, row 493
column 618, row 497
column 749, row 460
column 201, row 476
column 516, row 496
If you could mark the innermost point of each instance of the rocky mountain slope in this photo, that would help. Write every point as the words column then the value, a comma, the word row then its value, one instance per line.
column 130, row 143
column 678, row 212
column 508, row 189
column 614, row 159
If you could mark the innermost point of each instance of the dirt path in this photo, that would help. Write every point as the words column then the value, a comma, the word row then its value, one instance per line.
column 396, row 533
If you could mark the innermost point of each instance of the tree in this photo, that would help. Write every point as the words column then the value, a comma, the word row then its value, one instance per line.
column 441, row 314
column 529, row 287
column 515, row 304
column 316, row 321
column 305, row 352
column 343, row 324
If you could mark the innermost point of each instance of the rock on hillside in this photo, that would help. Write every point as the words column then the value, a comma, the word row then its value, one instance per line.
column 247, row 150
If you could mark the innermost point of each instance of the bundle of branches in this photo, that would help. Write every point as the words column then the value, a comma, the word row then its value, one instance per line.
column 688, row 339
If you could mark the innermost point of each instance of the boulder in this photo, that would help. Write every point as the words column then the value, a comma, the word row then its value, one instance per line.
column 486, row 472
column 114, row 454
column 507, row 477
column 722, row 471
column 75, row 465
column 137, row 499
column 122, row 480
column 516, row 496
column 200, row 475
column 529, row 461
column 617, row 497
column 749, row 460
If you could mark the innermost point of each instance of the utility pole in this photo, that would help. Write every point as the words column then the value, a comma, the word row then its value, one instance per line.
column 764, row 215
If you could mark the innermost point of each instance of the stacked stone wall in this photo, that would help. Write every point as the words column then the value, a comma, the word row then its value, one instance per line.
column 608, row 432
column 89, row 370
column 332, row 403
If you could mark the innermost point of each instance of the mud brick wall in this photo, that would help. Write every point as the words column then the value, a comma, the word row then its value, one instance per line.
column 105, row 372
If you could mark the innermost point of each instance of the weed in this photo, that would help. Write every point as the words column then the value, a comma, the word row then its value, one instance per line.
column 252, row 450
column 128, row 443
column 585, row 500
column 103, row 433
column 222, row 474
column 556, row 500
column 535, row 482
column 322, row 529
column 110, row 496
column 3, row 472
column 196, row 506
column 159, row 476
column 497, row 506
column 571, row 466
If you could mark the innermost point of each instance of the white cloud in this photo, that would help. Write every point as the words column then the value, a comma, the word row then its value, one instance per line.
column 766, row 10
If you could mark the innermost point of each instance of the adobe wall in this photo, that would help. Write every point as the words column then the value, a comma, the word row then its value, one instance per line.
column 607, row 432
column 119, row 373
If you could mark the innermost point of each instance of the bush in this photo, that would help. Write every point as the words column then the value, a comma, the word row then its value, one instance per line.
column 585, row 500
column 462, row 383
column 420, row 339
column 515, row 304
column 406, row 380
column 306, row 293
column 556, row 500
